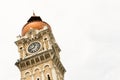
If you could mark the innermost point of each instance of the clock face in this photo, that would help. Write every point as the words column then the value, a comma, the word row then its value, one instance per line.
column 34, row 47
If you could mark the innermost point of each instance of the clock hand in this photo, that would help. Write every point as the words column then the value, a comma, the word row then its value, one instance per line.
column 32, row 46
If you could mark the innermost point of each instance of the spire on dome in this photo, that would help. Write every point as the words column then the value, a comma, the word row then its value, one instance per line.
column 34, row 18
column 33, row 13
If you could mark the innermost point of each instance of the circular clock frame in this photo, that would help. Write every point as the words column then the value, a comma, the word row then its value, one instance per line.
column 33, row 47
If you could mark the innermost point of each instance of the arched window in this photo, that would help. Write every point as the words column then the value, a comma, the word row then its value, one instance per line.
column 38, row 79
column 47, row 55
column 42, row 58
column 37, row 59
column 36, row 70
column 27, row 63
column 48, row 77
column 32, row 61
column 46, row 66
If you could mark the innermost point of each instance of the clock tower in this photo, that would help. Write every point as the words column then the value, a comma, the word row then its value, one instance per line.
column 39, row 52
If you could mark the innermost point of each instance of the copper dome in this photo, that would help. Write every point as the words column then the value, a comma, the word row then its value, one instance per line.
column 35, row 22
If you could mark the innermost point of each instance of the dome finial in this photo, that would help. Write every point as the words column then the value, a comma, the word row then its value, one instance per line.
column 33, row 13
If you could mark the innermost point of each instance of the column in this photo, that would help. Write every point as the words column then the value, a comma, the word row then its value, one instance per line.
column 54, row 75
column 32, row 77
column 42, row 74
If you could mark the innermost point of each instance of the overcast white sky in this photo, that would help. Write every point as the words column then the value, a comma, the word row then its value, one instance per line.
column 87, row 31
